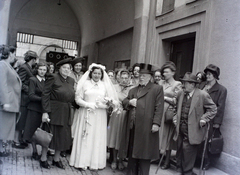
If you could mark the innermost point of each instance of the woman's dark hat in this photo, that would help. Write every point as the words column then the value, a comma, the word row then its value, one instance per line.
column 213, row 69
column 76, row 60
column 146, row 68
column 189, row 77
column 65, row 61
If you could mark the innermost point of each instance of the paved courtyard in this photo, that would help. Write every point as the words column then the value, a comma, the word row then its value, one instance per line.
column 20, row 163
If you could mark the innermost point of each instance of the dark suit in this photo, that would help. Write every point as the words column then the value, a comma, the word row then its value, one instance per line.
column 139, row 142
column 201, row 108
column 34, row 115
column 24, row 72
column 57, row 98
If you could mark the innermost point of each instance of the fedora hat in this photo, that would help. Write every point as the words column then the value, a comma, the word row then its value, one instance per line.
column 189, row 77
column 146, row 68
column 213, row 69
column 64, row 61
column 29, row 55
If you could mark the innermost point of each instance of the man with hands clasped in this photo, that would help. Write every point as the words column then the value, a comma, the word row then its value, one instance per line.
column 195, row 109
column 140, row 142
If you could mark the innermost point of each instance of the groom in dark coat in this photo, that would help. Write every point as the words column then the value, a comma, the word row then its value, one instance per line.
column 145, row 109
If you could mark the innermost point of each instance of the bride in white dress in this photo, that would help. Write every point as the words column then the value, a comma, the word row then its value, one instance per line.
column 93, row 92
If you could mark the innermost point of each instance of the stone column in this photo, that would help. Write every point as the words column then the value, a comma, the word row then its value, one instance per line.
column 140, row 31
column 4, row 16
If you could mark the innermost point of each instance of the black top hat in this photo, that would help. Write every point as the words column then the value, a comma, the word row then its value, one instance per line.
column 189, row 77
column 65, row 61
column 146, row 68
column 213, row 69
column 76, row 60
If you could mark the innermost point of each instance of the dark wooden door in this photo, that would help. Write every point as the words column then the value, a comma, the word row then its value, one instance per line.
column 182, row 55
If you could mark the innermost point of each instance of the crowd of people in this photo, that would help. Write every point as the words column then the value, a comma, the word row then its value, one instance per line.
column 136, row 115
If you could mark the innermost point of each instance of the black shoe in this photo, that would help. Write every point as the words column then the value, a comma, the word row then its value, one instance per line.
column 4, row 154
column 63, row 154
column 35, row 156
column 44, row 164
column 50, row 153
column 23, row 143
column 165, row 166
column 58, row 164
column 18, row 145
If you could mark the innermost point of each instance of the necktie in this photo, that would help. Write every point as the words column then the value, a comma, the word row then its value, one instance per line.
column 187, row 95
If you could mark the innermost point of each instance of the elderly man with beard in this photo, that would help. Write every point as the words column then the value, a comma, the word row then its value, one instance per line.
column 140, row 141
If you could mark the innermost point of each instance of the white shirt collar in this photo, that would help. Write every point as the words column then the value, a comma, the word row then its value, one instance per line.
column 95, row 83
column 40, row 78
column 191, row 93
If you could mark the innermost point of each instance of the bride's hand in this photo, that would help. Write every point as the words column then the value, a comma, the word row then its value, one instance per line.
column 92, row 106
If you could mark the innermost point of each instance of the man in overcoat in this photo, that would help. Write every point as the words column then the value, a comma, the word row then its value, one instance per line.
column 145, row 108
column 195, row 109
column 24, row 72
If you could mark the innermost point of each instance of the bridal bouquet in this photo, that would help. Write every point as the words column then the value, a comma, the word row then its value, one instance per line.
column 107, row 103
column 113, row 106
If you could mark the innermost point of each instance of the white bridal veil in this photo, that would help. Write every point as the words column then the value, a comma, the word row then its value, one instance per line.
column 111, row 92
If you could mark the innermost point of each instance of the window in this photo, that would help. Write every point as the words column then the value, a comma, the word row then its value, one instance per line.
column 190, row 1
column 25, row 38
column 168, row 5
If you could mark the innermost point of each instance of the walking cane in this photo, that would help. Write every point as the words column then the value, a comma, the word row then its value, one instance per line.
column 204, row 150
column 164, row 152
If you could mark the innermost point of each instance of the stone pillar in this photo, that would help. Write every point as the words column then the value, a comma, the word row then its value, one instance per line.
column 140, row 31
column 4, row 16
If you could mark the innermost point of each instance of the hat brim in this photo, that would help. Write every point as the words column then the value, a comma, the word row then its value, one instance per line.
column 192, row 81
column 145, row 72
column 213, row 71
column 65, row 61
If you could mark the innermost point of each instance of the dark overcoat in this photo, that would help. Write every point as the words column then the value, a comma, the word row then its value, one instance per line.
column 218, row 93
column 57, row 98
column 25, row 72
column 149, row 110
column 202, row 108
column 35, row 94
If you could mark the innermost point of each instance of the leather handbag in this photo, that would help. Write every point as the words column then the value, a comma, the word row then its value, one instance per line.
column 42, row 137
column 216, row 142
column 169, row 114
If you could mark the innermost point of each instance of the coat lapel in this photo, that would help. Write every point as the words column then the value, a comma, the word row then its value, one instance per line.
column 15, row 73
column 180, row 105
column 145, row 90
column 214, row 88
column 194, row 100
